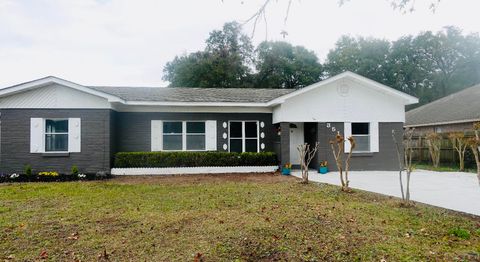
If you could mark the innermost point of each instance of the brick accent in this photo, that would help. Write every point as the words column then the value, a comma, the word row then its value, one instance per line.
column 96, row 149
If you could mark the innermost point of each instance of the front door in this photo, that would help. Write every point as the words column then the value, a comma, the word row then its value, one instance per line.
column 296, row 138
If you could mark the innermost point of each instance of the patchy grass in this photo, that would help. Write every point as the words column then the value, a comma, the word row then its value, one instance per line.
column 233, row 217
column 444, row 168
column 461, row 233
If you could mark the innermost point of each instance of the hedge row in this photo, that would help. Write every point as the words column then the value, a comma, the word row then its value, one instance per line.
column 193, row 159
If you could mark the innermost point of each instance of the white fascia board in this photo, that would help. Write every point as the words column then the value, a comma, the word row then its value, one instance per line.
column 408, row 99
column 219, row 104
column 55, row 80
column 190, row 109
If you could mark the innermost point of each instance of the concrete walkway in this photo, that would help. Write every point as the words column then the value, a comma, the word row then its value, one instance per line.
column 453, row 190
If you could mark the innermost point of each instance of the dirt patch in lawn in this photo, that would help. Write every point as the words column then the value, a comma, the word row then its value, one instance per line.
column 206, row 178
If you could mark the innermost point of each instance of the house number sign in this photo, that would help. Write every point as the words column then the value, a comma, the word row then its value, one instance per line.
column 332, row 127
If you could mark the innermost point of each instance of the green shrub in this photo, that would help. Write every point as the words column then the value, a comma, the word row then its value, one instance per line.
column 460, row 233
column 193, row 159
column 28, row 170
column 74, row 170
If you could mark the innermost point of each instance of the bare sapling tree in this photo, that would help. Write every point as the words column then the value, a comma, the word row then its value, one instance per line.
column 307, row 154
column 434, row 142
column 474, row 144
column 338, row 147
column 405, row 153
column 351, row 140
column 459, row 143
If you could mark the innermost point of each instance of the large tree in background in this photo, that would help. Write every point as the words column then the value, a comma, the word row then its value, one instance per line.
column 281, row 65
column 364, row 56
column 225, row 62
column 229, row 58
column 429, row 65
column 450, row 54
column 432, row 65
column 408, row 72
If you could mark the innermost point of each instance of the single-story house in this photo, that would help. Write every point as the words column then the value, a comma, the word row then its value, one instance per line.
column 454, row 113
column 52, row 124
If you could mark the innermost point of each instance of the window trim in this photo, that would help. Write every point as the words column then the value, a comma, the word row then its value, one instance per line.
column 44, row 135
column 244, row 138
column 369, row 137
column 184, row 135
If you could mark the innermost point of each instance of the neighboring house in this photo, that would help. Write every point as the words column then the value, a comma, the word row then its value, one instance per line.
column 455, row 112
column 52, row 124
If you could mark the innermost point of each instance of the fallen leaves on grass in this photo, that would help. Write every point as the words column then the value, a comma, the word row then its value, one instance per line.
column 73, row 236
column 198, row 257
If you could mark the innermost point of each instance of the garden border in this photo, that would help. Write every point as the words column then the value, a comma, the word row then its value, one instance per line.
column 135, row 171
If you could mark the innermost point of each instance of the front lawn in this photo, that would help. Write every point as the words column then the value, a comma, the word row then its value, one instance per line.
column 244, row 217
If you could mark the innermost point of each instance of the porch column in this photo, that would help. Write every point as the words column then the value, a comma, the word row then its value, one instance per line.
column 284, row 143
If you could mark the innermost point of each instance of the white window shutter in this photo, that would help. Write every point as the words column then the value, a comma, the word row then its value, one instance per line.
column 74, row 135
column 347, row 132
column 157, row 135
column 37, row 141
column 374, row 138
column 211, row 135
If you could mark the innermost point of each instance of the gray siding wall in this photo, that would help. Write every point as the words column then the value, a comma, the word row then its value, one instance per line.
column 284, row 143
column 96, row 147
column 385, row 159
column 133, row 130
column 105, row 132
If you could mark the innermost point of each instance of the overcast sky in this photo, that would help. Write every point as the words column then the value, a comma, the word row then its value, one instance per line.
column 123, row 42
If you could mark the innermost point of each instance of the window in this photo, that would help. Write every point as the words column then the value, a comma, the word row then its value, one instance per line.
column 361, row 134
column 183, row 135
column 243, row 136
column 56, row 135
column 195, row 135
column 172, row 135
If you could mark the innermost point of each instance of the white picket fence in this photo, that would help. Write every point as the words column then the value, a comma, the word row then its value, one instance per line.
column 192, row 170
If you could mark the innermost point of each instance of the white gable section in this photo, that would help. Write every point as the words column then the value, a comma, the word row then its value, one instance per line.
column 345, row 98
column 53, row 96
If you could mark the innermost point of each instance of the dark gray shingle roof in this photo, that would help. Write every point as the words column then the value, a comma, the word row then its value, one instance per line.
column 460, row 106
column 169, row 94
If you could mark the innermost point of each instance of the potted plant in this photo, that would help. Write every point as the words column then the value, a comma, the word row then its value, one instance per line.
column 323, row 169
column 286, row 169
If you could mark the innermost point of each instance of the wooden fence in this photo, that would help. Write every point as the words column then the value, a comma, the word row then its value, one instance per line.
column 448, row 155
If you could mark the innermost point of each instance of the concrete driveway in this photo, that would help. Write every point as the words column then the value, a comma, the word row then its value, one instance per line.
column 453, row 190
